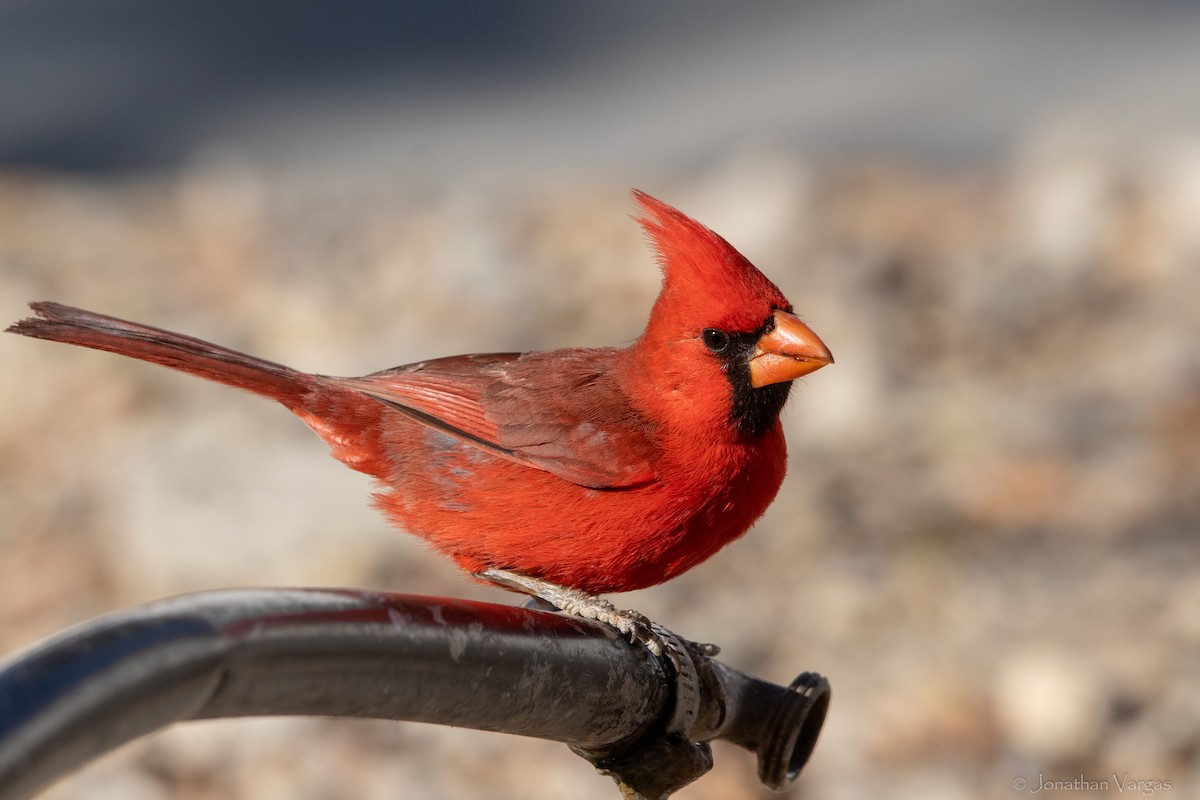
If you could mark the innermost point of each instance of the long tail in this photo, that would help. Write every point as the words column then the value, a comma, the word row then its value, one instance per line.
column 60, row 323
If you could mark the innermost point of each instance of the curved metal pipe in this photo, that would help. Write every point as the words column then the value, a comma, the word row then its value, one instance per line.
column 350, row 653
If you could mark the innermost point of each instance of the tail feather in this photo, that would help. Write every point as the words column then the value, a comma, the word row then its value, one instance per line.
column 60, row 323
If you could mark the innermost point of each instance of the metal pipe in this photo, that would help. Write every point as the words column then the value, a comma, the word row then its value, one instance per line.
column 352, row 653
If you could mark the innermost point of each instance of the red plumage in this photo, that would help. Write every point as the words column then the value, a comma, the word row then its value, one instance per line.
column 599, row 469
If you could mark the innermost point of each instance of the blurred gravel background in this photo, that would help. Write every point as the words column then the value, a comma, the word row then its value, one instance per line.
column 988, row 537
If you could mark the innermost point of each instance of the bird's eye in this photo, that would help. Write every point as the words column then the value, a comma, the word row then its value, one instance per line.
column 715, row 340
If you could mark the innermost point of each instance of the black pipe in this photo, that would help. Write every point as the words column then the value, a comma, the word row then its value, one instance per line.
column 348, row 653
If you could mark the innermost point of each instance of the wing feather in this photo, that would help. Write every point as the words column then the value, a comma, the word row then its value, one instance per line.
column 562, row 411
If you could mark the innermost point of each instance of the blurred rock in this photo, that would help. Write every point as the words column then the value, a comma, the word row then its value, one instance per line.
column 1050, row 704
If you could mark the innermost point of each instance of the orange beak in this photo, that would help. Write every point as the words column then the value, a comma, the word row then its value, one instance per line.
column 786, row 352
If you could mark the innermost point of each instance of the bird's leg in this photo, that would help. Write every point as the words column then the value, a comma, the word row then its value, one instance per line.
column 579, row 604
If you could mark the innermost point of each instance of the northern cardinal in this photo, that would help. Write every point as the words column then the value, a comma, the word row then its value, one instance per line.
column 567, row 473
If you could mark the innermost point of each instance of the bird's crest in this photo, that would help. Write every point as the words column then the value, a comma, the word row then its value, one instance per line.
column 706, row 282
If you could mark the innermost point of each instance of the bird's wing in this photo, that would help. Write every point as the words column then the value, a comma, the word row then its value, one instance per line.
column 560, row 411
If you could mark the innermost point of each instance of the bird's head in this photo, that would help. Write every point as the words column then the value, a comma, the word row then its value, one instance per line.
column 722, row 340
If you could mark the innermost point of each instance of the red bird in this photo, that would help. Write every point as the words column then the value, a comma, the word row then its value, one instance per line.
column 567, row 473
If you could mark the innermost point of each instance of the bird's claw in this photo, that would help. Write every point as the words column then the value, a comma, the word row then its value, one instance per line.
column 638, row 628
column 581, row 604
column 630, row 623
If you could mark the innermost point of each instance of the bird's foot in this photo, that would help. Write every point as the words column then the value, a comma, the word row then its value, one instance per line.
column 580, row 604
